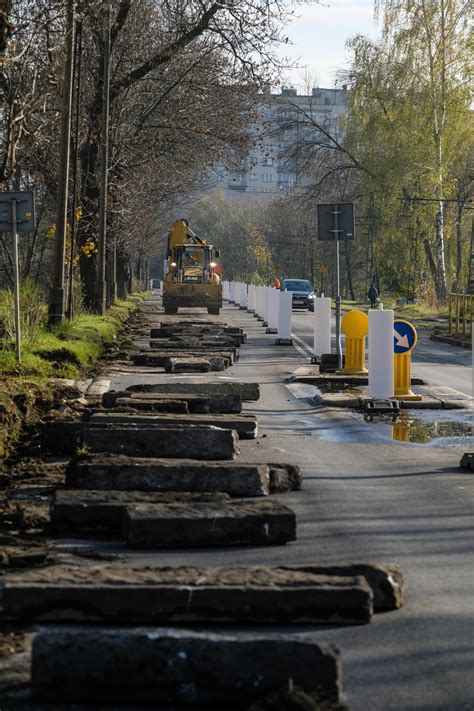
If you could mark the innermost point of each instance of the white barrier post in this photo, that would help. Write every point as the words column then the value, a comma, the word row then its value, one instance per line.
column 225, row 290
column 243, row 297
column 285, row 309
column 273, row 308
column 321, row 327
column 238, row 288
column 251, row 299
column 259, row 309
column 381, row 370
column 231, row 292
column 266, row 298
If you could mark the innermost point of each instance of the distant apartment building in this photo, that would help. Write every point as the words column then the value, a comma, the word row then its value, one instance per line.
column 285, row 122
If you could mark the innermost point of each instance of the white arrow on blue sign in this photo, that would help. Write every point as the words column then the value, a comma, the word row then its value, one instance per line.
column 404, row 336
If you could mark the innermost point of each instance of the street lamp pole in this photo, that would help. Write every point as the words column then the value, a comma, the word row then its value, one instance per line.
column 56, row 297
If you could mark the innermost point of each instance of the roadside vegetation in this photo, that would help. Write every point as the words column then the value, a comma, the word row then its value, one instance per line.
column 49, row 354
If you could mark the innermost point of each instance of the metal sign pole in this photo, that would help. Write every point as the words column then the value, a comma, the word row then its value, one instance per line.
column 16, row 266
column 338, row 291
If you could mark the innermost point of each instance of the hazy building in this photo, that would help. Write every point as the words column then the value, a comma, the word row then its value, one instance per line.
column 285, row 122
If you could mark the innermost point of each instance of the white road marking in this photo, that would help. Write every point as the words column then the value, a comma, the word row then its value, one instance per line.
column 301, row 346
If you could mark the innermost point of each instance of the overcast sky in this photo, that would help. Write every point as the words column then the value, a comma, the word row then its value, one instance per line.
column 319, row 35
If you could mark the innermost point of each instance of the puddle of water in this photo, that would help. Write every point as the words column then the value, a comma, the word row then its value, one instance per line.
column 425, row 429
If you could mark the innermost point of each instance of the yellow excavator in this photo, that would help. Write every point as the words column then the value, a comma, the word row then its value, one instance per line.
column 192, row 278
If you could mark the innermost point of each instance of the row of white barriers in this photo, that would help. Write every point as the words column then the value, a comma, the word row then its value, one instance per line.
column 274, row 308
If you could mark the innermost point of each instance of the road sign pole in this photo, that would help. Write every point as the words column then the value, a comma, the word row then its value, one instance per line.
column 338, row 291
column 16, row 266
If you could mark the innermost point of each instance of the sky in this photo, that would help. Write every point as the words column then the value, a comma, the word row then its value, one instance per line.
column 318, row 37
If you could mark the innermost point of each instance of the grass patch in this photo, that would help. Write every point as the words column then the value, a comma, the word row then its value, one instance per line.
column 68, row 349
column 423, row 314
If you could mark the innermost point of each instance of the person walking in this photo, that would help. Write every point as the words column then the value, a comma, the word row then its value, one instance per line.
column 373, row 296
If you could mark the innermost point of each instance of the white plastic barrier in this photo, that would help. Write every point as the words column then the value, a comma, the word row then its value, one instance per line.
column 251, row 298
column 322, row 326
column 243, row 296
column 260, row 304
column 238, row 293
column 273, row 309
column 266, row 298
column 232, row 291
column 225, row 290
column 285, row 305
column 380, row 362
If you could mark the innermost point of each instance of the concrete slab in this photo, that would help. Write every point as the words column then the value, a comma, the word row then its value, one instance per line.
column 246, row 391
column 337, row 399
column 193, row 524
column 245, row 425
column 193, row 441
column 196, row 365
column 196, row 402
column 158, row 405
column 467, row 461
column 102, row 511
column 285, row 477
column 165, row 666
column 118, row 472
column 124, row 594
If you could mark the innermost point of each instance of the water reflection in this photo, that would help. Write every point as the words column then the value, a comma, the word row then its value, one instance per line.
column 412, row 429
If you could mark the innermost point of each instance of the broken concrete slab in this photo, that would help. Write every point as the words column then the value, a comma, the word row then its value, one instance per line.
column 102, row 511
column 385, row 580
column 285, row 477
column 132, row 594
column 189, row 441
column 118, row 472
column 246, row 391
column 170, row 666
column 245, row 425
column 159, row 405
column 195, row 403
column 186, row 343
column 67, row 435
column 195, row 365
column 235, row 522
column 467, row 460
column 160, row 358
column 337, row 399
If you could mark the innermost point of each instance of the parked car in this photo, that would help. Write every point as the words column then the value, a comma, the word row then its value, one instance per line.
column 303, row 293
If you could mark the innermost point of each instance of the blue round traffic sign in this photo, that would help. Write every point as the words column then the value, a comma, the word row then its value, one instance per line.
column 404, row 336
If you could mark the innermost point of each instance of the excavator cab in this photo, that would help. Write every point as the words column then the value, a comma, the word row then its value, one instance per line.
column 193, row 263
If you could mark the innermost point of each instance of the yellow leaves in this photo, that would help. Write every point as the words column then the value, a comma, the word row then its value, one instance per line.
column 90, row 247
column 78, row 213
column 51, row 233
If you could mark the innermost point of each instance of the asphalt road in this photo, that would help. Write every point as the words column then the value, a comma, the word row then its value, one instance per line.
column 365, row 498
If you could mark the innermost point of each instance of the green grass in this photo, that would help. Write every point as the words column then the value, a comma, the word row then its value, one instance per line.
column 421, row 313
column 69, row 349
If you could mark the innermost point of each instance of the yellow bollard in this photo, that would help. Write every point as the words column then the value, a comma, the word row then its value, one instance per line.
column 355, row 326
column 404, row 341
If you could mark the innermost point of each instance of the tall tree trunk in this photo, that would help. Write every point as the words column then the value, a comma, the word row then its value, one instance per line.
column 457, row 275
column 123, row 274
